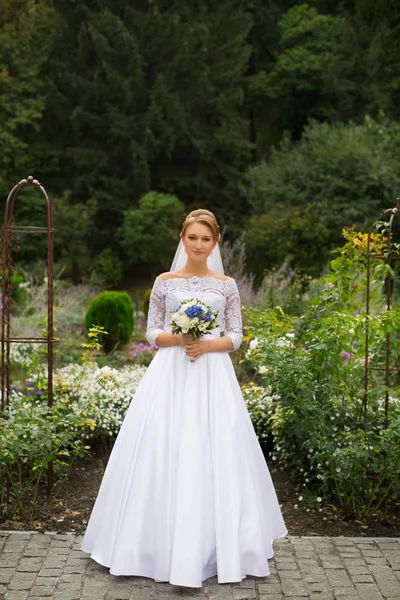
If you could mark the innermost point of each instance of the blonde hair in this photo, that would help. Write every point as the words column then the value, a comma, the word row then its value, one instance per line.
column 204, row 216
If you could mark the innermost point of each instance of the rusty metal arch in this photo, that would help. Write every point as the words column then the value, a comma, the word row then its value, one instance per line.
column 7, row 263
column 389, row 257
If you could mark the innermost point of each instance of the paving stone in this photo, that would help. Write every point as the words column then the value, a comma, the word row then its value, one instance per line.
column 368, row 591
column 19, row 584
column 294, row 574
column 119, row 595
column 53, row 563
column 9, row 560
column 42, row 591
column 247, row 583
column 269, row 588
column 315, row 577
column 6, row 574
column 71, row 595
column 31, row 565
column 244, row 594
column 45, row 566
column 77, row 569
column 363, row 578
column 10, row 547
column 15, row 595
column 294, row 591
column 389, row 590
column 45, row 572
column 376, row 560
column 345, row 592
column 330, row 564
column 46, row 581
column 38, row 541
column 287, row 566
column 358, row 569
column 338, row 577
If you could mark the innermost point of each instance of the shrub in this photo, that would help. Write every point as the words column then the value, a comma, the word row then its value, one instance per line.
column 32, row 436
column 312, row 368
column 114, row 312
column 335, row 175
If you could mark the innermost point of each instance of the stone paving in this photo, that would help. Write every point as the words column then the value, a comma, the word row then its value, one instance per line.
column 50, row 565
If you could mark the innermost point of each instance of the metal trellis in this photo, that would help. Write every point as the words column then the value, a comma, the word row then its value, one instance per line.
column 388, row 257
column 9, row 231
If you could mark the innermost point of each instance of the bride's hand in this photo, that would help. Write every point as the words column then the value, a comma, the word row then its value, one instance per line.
column 185, row 338
column 195, row 349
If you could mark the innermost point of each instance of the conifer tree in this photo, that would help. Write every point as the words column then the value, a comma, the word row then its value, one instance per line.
column 148, row 96
column 367, row 78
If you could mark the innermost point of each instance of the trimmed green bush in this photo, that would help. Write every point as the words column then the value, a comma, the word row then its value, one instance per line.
column 113, row 311
column 146, row 302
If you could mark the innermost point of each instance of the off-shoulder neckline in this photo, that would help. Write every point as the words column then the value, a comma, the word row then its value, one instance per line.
column 196, row 277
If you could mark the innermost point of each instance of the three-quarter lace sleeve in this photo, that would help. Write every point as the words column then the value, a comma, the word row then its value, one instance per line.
column 156, row 316
column 233, row 315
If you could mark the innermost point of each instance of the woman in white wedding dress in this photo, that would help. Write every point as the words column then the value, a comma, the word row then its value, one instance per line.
column 187, row 493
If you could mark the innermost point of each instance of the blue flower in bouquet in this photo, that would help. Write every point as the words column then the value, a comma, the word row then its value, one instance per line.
column 194, row 311
column 194, row 317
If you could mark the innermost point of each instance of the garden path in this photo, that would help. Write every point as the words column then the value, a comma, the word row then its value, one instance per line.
column 39, row 566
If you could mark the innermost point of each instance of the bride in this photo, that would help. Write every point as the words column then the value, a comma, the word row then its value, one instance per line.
column 187, row 493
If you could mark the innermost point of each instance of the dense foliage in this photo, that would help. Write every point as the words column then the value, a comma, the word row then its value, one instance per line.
column 324, row 424
column 210, row 103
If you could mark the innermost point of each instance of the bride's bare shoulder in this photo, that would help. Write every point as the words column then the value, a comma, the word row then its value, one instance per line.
column 169, row 275
column 219, row 276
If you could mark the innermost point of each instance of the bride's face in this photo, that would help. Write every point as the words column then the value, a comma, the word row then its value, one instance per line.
column 198, row 241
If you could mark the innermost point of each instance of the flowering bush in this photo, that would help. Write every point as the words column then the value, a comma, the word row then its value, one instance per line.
column 88, row 402
column 143, row 353
column 23, row 353
column 103, row 395
column 312, row 369
column 260, row 405
column 31, row 438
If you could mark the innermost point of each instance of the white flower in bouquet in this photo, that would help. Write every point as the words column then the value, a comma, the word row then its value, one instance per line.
column 194, row 317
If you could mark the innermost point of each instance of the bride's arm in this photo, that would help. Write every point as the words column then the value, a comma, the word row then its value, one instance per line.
column 155, row 333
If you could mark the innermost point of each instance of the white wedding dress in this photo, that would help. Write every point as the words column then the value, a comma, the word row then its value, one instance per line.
column 187, row 493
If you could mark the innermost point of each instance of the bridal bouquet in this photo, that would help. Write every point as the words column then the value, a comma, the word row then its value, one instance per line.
column 194, row 317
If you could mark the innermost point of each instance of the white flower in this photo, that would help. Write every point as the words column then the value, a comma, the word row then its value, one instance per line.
column 300, row 498
column 319, row 499
column 351, row 331
column 262, row 370
column 253, row 344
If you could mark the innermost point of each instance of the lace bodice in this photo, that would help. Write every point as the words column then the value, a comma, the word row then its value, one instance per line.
column 221, row 294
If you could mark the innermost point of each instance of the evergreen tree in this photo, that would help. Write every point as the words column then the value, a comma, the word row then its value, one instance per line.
column 295, row 81
column 23, row 49
column 147, row 95
column 367, row 78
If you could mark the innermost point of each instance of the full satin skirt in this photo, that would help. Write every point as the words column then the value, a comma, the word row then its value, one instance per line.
column 187, row 493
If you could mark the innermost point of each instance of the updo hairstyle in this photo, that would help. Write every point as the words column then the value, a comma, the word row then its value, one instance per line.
column 205, row 217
